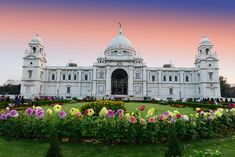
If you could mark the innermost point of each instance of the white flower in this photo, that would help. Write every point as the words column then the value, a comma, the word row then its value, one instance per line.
column 185, row 117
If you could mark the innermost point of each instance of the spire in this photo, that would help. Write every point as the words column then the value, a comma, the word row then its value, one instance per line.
column 120, row 28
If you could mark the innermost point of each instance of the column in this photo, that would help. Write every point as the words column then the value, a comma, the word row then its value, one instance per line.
column 94, row 82
column 108, row 81
column 130, row 81
column 144, row 82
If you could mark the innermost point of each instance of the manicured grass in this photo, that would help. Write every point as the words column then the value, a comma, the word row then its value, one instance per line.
column 131, row 107
column 25, row 148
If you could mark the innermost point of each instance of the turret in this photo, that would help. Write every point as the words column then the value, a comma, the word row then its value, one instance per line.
column 207, row 76
column 33, row 68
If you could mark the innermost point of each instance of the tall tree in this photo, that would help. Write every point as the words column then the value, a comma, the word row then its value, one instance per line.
column 224, row 87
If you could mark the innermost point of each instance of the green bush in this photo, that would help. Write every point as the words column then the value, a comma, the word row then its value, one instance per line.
column 3, row 104
column 48, row 102
column 97, row 105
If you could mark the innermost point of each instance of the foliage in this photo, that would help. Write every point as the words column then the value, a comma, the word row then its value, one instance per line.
column 111, row 126
column 10, row 89
column 192, row 104
column 174, row 147
column 3, row 104
column 209, row 153
column 99, row 104
column 54, row 149
column 48, row 102
column 226, row 89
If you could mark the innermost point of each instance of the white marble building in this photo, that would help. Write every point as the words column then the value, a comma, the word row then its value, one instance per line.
column 120, row 72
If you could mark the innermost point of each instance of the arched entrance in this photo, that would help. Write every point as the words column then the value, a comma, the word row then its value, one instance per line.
column 119, row 82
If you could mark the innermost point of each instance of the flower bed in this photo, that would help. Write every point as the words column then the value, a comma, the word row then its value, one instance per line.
column 110, row 126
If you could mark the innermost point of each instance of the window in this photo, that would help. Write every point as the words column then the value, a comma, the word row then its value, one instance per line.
column 101, row 74
column 34, row 49
column 75, row 77
column 41, row 75
column 176, row 78
column 207, row 51
column 198, row 77
column 170, row 78
column 210, row 75
column 164, row 78
column 30, row 73
column 69, row 77
column 86, row 77
column 153, row 78
column 199, row 90
column 209, row 65
column 31, row 63
column 53, row 77
column 137, row 75
column 186, row 78
column 171, row 91
column 68, row 89
column 63, row 76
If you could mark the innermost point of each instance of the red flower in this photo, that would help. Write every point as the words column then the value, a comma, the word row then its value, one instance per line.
column 141, row 108
column 178, row 116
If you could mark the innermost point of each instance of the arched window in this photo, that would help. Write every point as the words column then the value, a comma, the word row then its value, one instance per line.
column 153, row 78
column 34, row 49
column 187, row 78
column 170, row 78
column 207, row 51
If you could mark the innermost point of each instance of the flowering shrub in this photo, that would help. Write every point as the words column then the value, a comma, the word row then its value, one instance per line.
column 98, row 105
column 115, row 126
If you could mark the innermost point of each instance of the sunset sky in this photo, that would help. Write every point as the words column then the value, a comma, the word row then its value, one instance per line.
column 160, row 31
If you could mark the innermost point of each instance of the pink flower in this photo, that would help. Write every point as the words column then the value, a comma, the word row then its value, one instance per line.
column 62, row 114
column 120, row 113
column 161, row 117
column 29, row 111
column 141, row 108
column 132, row 119
column 39, row 114
column 151, row 120
column 110, row 114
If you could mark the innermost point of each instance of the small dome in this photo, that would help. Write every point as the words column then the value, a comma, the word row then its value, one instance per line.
column 205, row 41
column 36, row 40
column 120, row 41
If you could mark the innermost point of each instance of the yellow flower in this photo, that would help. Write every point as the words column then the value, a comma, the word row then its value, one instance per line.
column 103, row 112
column 198, row 109
column 90, row 112
column 57, row 108
column 38, row 107
column 73, row 111
column 49, row 112
column 218, row 114
column 127, row 115
column 150, row 112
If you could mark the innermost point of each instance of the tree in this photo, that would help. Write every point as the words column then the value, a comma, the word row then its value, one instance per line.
column 224, row 87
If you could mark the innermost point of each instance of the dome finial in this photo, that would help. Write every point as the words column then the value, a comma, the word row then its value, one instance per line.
column 119, row 28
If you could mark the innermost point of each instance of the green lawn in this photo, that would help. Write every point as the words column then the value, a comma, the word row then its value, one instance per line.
column 25, row 148
column 132, row 107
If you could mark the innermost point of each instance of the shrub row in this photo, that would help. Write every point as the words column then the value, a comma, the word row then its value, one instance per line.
column 99, row 104
column 116, row 130
column 194, row 104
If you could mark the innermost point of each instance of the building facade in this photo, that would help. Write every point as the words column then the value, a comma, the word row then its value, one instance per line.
column 120, row 72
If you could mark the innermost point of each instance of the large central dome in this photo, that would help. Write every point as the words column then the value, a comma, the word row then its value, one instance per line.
column 120, row 45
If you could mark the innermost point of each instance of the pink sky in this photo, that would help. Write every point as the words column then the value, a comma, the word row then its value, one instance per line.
column 83, row 35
